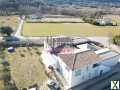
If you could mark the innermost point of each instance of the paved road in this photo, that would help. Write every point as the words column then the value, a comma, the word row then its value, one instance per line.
column 19, row 29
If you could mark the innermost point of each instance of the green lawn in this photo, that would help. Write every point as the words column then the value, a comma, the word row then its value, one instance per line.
column 77, row 29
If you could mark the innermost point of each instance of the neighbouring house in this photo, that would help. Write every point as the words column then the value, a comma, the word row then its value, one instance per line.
column 103, row 22
column 77, row 62
column 33, row 16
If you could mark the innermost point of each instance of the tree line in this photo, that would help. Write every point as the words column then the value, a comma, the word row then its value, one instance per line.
column 8, row 7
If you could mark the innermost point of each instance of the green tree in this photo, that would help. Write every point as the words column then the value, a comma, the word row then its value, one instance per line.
column 116, row 40
column 6, row 31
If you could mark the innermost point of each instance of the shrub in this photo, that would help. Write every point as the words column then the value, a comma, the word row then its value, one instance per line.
column 24, row 50
column 38, row 53
column 22, row 55
column 116, row 40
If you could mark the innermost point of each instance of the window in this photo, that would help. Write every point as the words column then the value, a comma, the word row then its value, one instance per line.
column 82, row 77
column 77, row 72
column 87, row 68
column 89, row 75
column 95, row 65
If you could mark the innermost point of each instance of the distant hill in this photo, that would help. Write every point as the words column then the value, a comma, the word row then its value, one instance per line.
column 64, row 2
column 84, row 2
column 74, row 2
column 49, row 6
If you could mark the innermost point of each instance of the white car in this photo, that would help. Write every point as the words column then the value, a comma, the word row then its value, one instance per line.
column 53, row 85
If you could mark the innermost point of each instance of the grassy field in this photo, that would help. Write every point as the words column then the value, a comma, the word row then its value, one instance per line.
column 11, row 21
column 2, row 85
column 77, row 29
column 26, row 68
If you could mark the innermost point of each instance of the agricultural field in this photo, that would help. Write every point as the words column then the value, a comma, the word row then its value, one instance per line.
column 26, row 69
column 74, row 29
column 11, row 21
